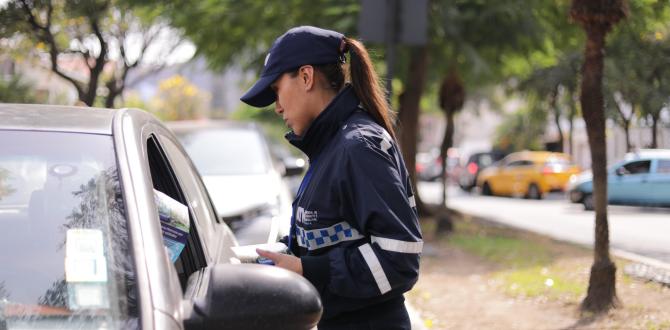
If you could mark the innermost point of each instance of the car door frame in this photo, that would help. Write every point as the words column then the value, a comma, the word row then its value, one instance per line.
column 158, row 289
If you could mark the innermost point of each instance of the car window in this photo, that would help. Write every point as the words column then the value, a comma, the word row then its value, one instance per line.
column 485, row 160
column 192, row 257
column 227, row 151
column 558, row 161
column 65, row 259
column 196, row 193
column 637, row 167
column 663, row 166
column 518, row 163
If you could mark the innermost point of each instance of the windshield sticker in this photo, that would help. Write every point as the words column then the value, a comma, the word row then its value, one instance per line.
column 84, row 256
column 175, row 223
column 86, row 269
column 87, row 296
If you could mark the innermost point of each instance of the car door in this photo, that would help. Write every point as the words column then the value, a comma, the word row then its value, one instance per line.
column 659, row 182
column 516, row 176
column 629, row 183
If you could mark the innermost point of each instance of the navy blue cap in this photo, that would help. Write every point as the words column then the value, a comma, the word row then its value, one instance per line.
column 297, row 47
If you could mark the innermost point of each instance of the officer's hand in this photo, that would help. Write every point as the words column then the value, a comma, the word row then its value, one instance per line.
column 285, row 261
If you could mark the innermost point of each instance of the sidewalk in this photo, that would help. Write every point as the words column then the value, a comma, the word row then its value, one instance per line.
column 489, row 277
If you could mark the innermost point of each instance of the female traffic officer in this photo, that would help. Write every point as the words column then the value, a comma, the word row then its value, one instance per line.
column 354, row 231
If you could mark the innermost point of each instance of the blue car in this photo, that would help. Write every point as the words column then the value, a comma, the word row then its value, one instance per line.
column 642, row 178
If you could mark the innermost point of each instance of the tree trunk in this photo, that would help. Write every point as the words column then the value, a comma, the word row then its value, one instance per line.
column 408, row 116
column 626, row 130
column 571, row 119
column 112, row 93
column 447, row 142
column 625, row 124
column 557, row 119
column 601, row 294
column 654, row 131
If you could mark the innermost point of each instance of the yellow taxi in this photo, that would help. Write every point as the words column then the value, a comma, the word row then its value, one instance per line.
column 527, row 173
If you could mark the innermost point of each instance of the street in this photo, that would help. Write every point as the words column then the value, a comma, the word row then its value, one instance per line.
column 643, row 231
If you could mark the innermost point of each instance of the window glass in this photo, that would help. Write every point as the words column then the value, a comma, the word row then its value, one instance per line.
column 485, row 160
column 518, row 163
column 64, row 248
column 192, row 258
column 663, row 166
column 229, row 151
column 195, row 192
column 639, row 167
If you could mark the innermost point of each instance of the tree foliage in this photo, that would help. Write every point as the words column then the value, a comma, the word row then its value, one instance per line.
column 522, row 129
column 16, row 90
column 92, row 44
column 179, row 99
column 637, row 69
column 241, row 31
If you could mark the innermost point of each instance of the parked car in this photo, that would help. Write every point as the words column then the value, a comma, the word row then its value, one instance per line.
column 246, row 182
column 83, row 241
column 642, row 178
column 429, row 165
column 527, row 173
column 475, row 164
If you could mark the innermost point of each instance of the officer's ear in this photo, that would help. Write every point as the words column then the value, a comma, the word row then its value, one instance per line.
column 306, row 75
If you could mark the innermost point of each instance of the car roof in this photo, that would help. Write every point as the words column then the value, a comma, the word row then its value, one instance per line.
column 192, row 125
column 647, row 154
column 58, row 118
column 537, row 155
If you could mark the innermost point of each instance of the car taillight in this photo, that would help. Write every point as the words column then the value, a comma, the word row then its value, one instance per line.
column 419, row 167
column 472, row 168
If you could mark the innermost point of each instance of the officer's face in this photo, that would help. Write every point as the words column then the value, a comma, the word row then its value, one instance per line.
column 292, row 101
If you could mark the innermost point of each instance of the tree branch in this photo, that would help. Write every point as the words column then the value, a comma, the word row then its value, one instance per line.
column 44, row 34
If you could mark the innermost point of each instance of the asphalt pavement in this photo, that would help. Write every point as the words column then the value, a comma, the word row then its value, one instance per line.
column 637, row 230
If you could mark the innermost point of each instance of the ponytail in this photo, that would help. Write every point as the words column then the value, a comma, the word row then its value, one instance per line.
column 367, row 86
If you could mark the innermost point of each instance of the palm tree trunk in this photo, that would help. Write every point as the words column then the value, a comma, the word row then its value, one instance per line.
column 408, row 116
column 447, row 142
column 602, row 290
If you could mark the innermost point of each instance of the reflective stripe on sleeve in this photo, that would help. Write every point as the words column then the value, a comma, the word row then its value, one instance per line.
column 375, row 267
column 395, row 245
column 322, row 237
column 412, row 201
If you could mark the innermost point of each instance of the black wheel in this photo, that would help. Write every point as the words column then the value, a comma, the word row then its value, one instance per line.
column 588, row 202
column 534, row 192
column 486, row 189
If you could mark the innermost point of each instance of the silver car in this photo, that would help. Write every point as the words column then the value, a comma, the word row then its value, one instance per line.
column 246, row 182
column 82, row 240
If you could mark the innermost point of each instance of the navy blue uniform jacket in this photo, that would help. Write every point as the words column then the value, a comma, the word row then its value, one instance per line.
column 355, row 224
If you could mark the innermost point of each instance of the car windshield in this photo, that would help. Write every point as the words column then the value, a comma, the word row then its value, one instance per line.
column 63, row 234
column 229, row 151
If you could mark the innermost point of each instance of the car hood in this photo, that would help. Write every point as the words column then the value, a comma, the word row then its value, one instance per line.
column 577, row 180
column 234, row 195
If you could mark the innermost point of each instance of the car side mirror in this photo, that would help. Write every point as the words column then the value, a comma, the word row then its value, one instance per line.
column 620, row 171
column 293, row 165
column 248, row 296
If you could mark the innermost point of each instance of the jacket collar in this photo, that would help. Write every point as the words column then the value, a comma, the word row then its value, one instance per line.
column 326, row 124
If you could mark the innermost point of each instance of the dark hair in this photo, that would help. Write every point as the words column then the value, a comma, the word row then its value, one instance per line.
column 364, row 80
